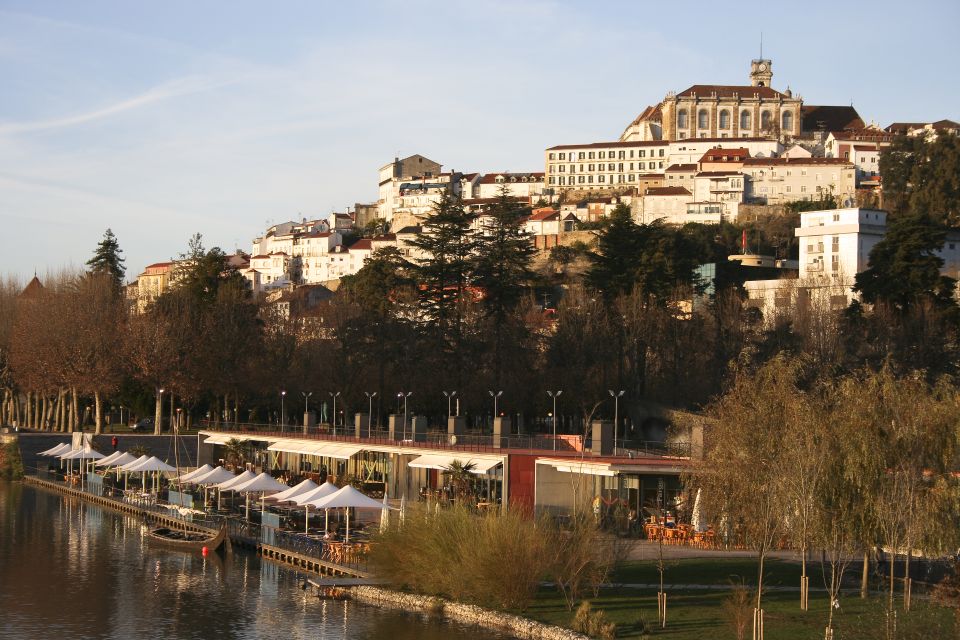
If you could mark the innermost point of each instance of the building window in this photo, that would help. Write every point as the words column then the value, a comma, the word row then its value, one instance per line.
column 552, row 156
column 787, row 121
column 724, row 119
column 765, row 121
column 581, row 155
column 744, row 119
column 803, row 188
column 642, row 153
column 563, row 156
column 682, row 119
column 789, row 189
column 602, row 155
column 703, row 119
column 591, row 156
column 661, row 153
column 601, row 178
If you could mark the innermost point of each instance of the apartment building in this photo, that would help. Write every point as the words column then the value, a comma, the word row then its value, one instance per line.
column 602, row 165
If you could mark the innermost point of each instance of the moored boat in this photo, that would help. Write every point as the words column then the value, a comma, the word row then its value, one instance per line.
column 187, row 540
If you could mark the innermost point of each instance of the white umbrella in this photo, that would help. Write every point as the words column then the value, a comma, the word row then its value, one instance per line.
column 63, row 447
column 305, row 499
column 215, row 476
column 154, row 464
column 262, row 483
column 188, row 477
column 296, row 490
column 348, row 498
column 385, row 514
column 102, row 462
column 82, row 455
column 129, row 466
column 695, row 516
column 230, row 484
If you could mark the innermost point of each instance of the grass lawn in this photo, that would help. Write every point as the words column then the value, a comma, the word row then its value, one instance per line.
column 700, row 613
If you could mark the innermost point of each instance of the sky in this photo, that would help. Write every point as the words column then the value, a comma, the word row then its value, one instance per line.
column 161, row 120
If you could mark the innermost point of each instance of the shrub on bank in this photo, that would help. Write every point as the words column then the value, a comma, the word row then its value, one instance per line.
column 11, row 466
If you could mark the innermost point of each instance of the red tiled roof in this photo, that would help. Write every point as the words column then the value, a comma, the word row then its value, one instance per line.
column 157, row 265
column 364, row 244
column 34, row 289
column 385, row 237
column 718, row 174
column 864, row 147
column 830, row 118
column 725, row 155
column 604, row 145
column 674, row 168
column 318, row 234
column 863, row 135
column 667, row 191
column 543, row 214
column 260, row 257
column 730, row 91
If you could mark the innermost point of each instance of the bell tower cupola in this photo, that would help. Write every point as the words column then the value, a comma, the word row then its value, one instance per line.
column 761, row 72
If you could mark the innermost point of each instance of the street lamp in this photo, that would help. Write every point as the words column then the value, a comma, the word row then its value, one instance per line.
column 306, row 402
column 283, row 417
column 159, row 426
column 495, row 395
column 449, row 397
column 616, row 408
column 555, row 395
column 334, row 396
column 370, row 397
column 404, row 396
column 179, row 410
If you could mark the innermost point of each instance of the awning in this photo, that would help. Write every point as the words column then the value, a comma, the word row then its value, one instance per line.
column 216, row 440
column 320, row 449
column 481, row 464
column 579, row 466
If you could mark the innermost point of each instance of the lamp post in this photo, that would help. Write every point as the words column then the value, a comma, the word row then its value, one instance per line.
column 179, row 421
column 159, row 426
column 334, row 396
column 370, row 397
column 616, row 414
column 449, row 397
column 122, row 423
column 404, row 396
column 283, row 417
column 555, row 395
column 496, row 396
column 306, row 402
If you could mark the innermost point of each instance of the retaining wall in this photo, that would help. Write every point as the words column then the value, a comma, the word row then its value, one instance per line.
column 517, row 626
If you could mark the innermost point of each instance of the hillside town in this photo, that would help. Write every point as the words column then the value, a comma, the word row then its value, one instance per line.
column 707, row 154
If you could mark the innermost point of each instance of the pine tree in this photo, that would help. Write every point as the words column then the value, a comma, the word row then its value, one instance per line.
column 502, row 267
column 107, row 259
column 444, row 273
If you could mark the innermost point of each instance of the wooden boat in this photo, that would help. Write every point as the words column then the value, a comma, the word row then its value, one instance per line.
column 187, row 540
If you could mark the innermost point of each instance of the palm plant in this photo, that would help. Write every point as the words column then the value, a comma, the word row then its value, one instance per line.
column 461, row 477
column 236, row 452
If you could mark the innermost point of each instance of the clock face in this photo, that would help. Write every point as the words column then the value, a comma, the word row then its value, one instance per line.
column 762, row 67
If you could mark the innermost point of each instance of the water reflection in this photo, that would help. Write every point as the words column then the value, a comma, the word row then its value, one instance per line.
column 74, row 570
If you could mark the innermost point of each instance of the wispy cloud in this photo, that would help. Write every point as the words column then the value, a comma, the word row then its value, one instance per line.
column 165, row 91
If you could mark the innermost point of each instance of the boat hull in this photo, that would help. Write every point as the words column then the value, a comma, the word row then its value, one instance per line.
column 186, row 541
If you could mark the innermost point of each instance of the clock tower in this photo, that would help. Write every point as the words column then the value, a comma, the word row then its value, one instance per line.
column 761, row 72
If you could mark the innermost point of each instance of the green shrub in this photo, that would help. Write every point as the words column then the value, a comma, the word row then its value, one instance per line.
column 11, row 466
column 593, row 623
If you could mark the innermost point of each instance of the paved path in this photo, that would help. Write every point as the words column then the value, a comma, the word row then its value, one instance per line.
column 649, row 550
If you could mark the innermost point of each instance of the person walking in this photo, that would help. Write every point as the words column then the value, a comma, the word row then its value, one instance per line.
column 114, row 442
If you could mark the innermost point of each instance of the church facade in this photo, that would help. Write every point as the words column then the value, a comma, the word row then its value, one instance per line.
column 722, row 111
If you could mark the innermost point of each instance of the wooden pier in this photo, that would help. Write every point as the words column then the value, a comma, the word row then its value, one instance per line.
column 279, row 555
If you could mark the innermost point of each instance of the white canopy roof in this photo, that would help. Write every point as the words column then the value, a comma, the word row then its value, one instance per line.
column 118, row 459
column 63, row 447
column 324, row 490
column 151, row 464
column 321, row 449
column 236, row 480
column 129, row 466
column 262, row 482
column 348, row 497
column 481, row 464
column 82, row 454
column 214, row 476
column 205, row 469
column 300, row 489
column 216, row 439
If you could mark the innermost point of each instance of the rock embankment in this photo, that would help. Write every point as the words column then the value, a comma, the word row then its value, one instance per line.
column 517, row 626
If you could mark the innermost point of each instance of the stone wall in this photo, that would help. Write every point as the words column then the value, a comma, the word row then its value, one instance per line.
column 516, row 626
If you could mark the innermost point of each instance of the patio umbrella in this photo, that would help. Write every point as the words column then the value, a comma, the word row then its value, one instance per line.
column 296, row 490
column 385, row 514
column 695, row 516
column 348, row 498
column 233, row 482
column 155, row 465
column 262, row 483
column 82, row 455
column 63, row 447
column 188, row 477
column 116, row 459
column 213, row 477
column 305, row 499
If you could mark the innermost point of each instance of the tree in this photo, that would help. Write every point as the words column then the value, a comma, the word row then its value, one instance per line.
column 922, row 175
column 107, row 260
column 904, row 267
column 502, row 269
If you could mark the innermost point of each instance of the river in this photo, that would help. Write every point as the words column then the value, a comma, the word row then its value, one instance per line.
column 73, row 570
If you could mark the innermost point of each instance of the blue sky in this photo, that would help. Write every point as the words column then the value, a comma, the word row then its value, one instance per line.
column 160, row 120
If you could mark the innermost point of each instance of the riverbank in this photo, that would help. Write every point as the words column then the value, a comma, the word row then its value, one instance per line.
column 517, row 626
